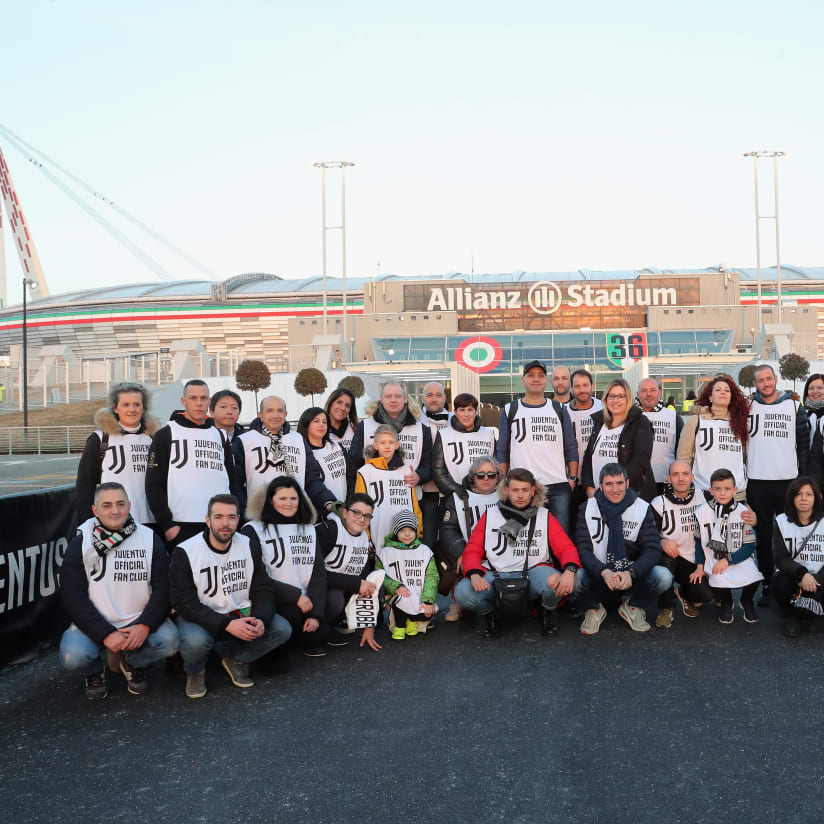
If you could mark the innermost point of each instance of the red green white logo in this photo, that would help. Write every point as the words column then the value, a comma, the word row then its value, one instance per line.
column 479, row 354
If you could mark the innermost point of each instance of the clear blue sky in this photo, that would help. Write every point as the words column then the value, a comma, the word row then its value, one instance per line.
column 536, row 135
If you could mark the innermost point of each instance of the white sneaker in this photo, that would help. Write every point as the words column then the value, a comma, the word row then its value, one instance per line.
column 635, row 617
column 593, row 618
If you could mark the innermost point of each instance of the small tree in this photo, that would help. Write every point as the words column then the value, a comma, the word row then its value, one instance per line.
column 354, row 384
column 746, row 377
column 252, row 376
column 793, row 368
column 310, row 381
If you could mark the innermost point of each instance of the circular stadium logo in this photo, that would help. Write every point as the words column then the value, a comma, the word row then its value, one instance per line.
column 544, row 297
column 479, row 354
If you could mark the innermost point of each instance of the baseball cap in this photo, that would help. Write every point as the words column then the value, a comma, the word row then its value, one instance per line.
column 532, row 364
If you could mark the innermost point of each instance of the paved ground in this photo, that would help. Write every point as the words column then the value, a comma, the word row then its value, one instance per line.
column 26, row 473
column 699, row 723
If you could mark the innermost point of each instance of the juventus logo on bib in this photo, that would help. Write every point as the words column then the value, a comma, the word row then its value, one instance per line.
column 377, row 492
column 101, row 573
column 457, row 452
column 752, row 421
column 180, row 454
column 519, row 430
column 600, row 528
column 667, row 522
column 278, row 551
column 261, row 458
column 337, row 557
column 500, row 546
column 212, row 579
column 706, row 438
column 118, row 459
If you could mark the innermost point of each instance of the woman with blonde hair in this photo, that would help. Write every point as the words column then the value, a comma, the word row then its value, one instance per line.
column 621, row 433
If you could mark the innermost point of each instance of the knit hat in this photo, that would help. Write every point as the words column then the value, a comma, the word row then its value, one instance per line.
column 406, row 517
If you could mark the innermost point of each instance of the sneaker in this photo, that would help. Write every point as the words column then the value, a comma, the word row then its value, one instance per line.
column 238, row 672
column 593, row 618
column 664, row 619
column 399, row 633
column 750, row 615
column 135, row 677
column 635, row 617
column 690, row 610
column 454, row 613
column 411, row 627
column 96, row 686
column 726, row 616
column 549, row 625
column 336, row 639
column 196, row 685
column 764, row 600
column 793, row 628
column 314, row 652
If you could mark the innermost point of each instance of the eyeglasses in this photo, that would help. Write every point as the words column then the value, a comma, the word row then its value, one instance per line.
column 616, row 397
column 360, row 516
column 489, row 475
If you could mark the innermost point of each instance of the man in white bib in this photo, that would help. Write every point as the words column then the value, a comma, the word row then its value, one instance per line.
column 666, row 427
column 580, row 410
column 620, row 549
column 561, row 385
column 224, row 599
column 189, row 462
column 114, row 585
column 777, row 451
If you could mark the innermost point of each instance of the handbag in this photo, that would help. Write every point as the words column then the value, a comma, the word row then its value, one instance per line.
column 512, row 594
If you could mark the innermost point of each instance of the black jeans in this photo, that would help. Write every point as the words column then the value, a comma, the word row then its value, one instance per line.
column 784, row 588
column 296, row 619
column 429, row 515
column 724, row 594
column 767, row 500
column 681, row 570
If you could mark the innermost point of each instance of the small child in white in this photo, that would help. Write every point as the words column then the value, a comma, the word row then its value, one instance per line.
column 411, row 575
column 725, row 545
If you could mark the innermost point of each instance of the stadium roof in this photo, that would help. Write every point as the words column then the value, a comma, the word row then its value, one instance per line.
column 262, row 284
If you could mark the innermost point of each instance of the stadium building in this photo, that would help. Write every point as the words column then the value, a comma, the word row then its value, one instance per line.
column 683, row 325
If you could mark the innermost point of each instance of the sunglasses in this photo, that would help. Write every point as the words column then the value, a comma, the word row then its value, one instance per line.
column 490, row 475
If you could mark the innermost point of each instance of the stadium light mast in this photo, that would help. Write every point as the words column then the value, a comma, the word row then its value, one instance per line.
column 323, row 166
column 28, row 283
column 756, row 156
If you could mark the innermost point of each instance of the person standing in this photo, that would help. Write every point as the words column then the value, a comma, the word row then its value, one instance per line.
column 437, row 417
column 536, row 434
column 666, row 429
column 189, row 463
column 813, row 400
column 118, row 451
column 561, row 385
column 581, row 408
column 224, row 407
column 343, row 417
column 330, row 455
column 777, row 453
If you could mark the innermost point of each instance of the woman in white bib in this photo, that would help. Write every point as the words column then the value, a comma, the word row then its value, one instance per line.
column 798, row 550
column 330, row 455
column 343, row 419
column 715, row 435
column 813, row 399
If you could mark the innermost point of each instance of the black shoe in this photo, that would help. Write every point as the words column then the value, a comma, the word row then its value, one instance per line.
column 491, row 625
column 315, row 652
column 793, row 628
column 726, row 616
column 750, row 615
column 764, row 600
column 336, row 639
column 135, row 678
column 174, row 665
column 96, row 686
column 816, row 625
column 549, row 625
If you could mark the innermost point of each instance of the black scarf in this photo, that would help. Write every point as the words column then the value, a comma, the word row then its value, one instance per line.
column 657, row 408
column 437, row 416
column 273, row 456
column 669, row 494
column 718, row 538
column 516, row 519
column 617, row 559
column 104, row 540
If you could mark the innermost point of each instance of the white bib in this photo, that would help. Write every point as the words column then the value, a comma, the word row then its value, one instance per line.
column 504, row 556
column 631, row 519
column 537, row 442
column 119, row 588
column 678, row 522
column 605, row 450
column 812, row 556
column 716, row 447
column 461, row 448
column 471, row 508
column 125, row 463
column 407, row 565
column 288, row 552
column 259, row 473
column 332, row 460
column 663, row 442
column 223, row 579
column 410, row 439
column 346, row 440
column 771, row 454
column 582, row 424
column 738, row 534
column 389, row 491
column 350, row 553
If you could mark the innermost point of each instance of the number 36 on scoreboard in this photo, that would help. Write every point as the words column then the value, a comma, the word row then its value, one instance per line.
column 623, row 348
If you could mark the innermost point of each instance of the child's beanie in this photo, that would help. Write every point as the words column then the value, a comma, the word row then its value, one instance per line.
column 406, row 517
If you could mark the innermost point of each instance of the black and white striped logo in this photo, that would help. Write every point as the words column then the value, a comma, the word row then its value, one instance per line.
column 118, row 459
column 180, row 454
column 212, row 579
column 278, row 551
column 457, row 452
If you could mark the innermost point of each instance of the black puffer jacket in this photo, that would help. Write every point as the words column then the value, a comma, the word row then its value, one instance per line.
column 634, row 453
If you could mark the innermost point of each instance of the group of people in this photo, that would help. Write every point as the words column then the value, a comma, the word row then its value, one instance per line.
column 200, row 536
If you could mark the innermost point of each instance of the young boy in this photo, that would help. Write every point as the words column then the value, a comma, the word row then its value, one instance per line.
column 411, row 576
column 725, row 545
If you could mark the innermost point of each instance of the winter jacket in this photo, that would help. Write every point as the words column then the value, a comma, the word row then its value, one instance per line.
column 634, row 453
column 815, row 461
column 430, row 578
column 394, row 463
column 440, row 473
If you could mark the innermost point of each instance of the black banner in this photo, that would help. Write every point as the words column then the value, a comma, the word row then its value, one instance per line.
column 35, row 529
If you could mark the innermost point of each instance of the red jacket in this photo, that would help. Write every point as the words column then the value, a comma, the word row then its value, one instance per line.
column 559, row 544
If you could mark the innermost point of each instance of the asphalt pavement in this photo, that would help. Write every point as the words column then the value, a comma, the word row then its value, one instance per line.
column 27, row 473
column 697, row 723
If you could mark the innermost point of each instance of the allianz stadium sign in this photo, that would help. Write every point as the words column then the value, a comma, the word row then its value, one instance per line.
column 546, row 297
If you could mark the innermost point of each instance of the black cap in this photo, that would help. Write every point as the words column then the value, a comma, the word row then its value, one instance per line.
column 532, row 364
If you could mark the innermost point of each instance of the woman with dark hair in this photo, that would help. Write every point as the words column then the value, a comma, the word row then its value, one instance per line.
column 459, row 443
column 283, row 525
column 715, row 435
column 621, row 433
column 798, row 549
column 343, row 418
column 118, row 450
column 314, row 426
column 813, row 400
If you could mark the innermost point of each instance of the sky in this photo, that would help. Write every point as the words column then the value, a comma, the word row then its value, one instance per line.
column 541, row 136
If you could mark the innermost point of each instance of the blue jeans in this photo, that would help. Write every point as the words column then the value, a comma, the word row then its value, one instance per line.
column 558, row 497
column 78, row 653
column 483, row 603
column 196, row 643
column 591, row 592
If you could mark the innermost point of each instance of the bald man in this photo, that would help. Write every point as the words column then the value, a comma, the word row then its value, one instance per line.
column 666, row 426
column 561, row 384
column 436, row 416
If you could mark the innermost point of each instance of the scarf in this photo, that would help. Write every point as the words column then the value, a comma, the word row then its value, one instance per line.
column 617, row 559
column 437, row 416
column 273, row 456
column 397, row 422
column 104, row 540
column 669, row 494
column 718, row 538
column 516, row 519
column 814, row 406
column 339, row 431
column 657, row 408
